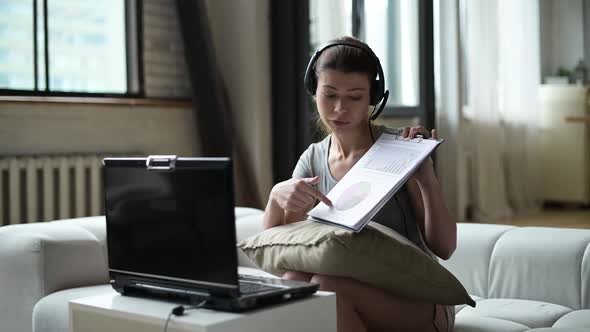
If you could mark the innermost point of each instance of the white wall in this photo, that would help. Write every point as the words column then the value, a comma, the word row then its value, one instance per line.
column 562, row 34
column 45, row 128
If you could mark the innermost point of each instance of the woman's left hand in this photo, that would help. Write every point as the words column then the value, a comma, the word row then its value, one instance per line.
column 426, row 170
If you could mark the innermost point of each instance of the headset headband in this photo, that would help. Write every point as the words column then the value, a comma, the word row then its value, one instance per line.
column 377, row 85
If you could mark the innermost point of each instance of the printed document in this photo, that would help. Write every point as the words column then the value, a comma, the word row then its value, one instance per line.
column 373, row 180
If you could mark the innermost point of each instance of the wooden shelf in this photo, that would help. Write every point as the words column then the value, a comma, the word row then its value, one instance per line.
column 585, row 119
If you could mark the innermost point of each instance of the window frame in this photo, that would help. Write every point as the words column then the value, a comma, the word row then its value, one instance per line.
column 425, row 110
column 133, row 55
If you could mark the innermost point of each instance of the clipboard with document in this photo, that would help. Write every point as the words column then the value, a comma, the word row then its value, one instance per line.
column 373, row 180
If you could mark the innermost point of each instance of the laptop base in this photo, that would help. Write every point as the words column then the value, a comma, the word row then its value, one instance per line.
column 239, row 303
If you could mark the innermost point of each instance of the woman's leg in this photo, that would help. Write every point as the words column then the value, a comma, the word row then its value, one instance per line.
column 378, row 310
column 296, row 275
column 347, row 318
column 360, row 306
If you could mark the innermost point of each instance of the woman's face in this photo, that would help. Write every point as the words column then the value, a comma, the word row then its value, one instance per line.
column 343, row 99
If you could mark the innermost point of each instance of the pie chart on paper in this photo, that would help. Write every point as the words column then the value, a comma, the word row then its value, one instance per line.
column 353, row 195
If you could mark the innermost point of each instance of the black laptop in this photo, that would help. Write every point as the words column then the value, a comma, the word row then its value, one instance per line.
column 171, row 233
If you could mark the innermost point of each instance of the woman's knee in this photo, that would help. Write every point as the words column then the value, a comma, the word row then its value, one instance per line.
column 296, row 275
column 328, row 283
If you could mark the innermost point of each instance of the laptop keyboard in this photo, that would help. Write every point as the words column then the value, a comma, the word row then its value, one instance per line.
column 255, row 284
column 249, row 287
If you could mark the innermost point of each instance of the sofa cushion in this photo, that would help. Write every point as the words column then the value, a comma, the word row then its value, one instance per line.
column 470, row 263
column 578, row 318
column 559, row 329
column 377, row 256
column 51, row 313
column 527, row 260
column 586, row 279
column 241, row 212
column 486, row 324
column 532, row 314
column 458, row 307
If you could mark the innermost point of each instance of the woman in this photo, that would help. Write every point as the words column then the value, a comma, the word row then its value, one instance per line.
column 344, row 86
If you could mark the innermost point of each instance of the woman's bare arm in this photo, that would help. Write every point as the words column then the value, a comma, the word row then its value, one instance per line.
column 291, row 200
column 432, row 216
column 434, row 219
column 274, row 215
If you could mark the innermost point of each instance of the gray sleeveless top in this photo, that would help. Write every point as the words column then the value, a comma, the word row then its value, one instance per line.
column 397, row 213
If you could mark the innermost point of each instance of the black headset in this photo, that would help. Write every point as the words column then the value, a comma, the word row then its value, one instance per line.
column 377, row 93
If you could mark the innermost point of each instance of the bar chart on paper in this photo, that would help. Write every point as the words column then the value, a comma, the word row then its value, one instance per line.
column 396, row 164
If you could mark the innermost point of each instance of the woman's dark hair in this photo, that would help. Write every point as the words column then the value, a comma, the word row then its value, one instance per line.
column 347, row 59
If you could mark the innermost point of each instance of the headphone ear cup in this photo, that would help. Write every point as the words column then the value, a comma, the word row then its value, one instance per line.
column 376, row 93
column 310, row 80
column 311, row 84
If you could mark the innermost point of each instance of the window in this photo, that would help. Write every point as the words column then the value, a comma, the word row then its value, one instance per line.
column 392, row 27
column 68, row 47
column 400, row 34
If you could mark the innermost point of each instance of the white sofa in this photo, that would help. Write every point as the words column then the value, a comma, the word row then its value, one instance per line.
column 523, row 278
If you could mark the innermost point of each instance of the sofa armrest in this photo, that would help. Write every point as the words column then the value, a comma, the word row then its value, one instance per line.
column 42, row 258
column 248, row 223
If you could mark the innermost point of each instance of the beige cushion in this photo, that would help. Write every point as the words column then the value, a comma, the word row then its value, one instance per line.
column 377, row 256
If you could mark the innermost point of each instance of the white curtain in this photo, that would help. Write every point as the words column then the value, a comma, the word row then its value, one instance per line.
column 502, row 50
column 520, row 101
column 329, row 19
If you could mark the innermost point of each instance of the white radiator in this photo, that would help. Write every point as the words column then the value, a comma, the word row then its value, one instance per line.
column 44, row 188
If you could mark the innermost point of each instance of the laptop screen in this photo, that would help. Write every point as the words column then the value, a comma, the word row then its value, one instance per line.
column 177, row 224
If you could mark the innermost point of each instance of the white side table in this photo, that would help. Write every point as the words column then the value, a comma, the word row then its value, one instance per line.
column 113, row 312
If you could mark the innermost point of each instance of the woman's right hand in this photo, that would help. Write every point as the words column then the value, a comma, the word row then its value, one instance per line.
column 297, row 195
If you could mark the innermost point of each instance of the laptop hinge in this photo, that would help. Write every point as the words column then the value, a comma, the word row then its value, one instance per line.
column 155, row 162
column 173, row 290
